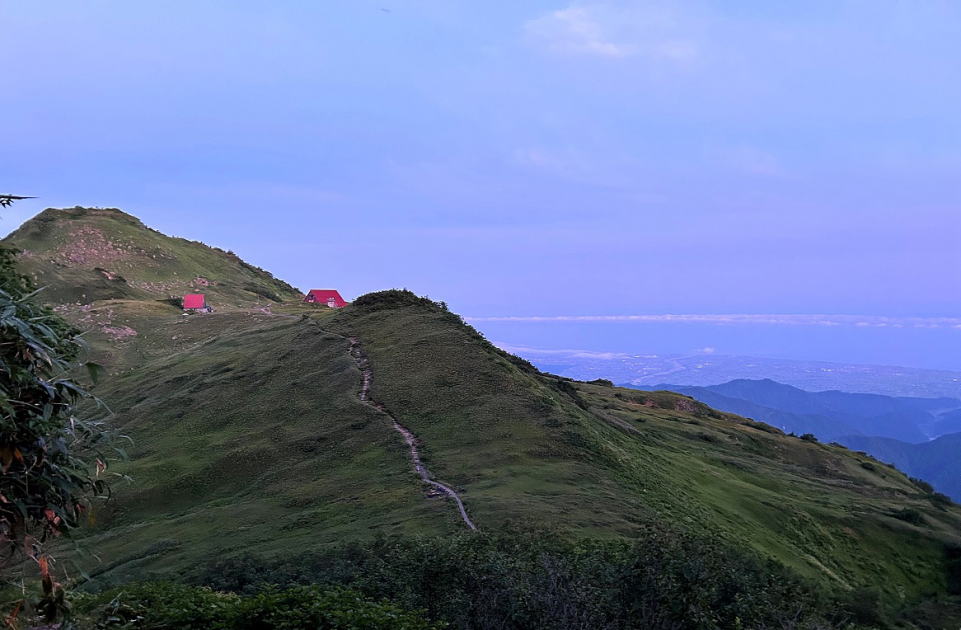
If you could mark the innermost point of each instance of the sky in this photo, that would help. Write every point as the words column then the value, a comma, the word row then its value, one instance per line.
column 515, row 159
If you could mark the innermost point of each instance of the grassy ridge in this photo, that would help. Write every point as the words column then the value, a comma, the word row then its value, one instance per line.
column 251, row 439
column 603, row 460
column 86, row 254
column 248, row 435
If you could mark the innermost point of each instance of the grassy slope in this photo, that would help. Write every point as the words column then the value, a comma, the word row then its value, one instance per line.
column 65, row 249
column 519, row 448
column 936, row 461
column 251, row 438
column 248, row 435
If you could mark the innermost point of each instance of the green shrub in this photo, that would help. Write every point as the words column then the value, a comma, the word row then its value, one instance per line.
column 164, row 606
column 952, row 553
column 393, row 298
column 310, row 608
column 761, row 426
column 532, row 580
column 564, row 386
column 941, row 500
column 51, row 458
column 863, row 607
column 909, row 515
column 809, row 437
column 263, row 292
column 155, row 606
column 869, row 466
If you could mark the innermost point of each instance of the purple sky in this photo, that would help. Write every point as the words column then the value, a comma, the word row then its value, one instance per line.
column 514, row 158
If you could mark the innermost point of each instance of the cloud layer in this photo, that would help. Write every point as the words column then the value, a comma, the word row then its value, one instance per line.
column 607, row 30
column 859, row 321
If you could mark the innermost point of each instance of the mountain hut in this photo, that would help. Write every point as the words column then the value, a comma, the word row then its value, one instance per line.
column 330, row 297
column 196, row 302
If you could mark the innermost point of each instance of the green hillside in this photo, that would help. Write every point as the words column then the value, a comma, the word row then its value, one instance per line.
column 249, row 434
column 936, row 461
column 82, row 255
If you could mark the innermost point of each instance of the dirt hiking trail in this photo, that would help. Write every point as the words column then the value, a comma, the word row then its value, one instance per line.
column 363, row 363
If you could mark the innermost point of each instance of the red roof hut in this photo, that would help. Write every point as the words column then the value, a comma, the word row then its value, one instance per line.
column 195, row 302
column 330, row 297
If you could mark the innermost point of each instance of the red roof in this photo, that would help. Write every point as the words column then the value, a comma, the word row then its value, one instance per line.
column 195, row 300
column 329, row 297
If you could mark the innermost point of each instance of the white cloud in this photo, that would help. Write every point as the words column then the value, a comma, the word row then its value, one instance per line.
column 580, row 354
column 607, row 30
column 860, row 321
column 575, row 30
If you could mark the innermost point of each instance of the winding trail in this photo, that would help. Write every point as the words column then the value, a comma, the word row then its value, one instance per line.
column 363, row 363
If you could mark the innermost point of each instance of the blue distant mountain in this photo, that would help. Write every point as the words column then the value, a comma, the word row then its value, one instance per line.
column 938, row 462
column 894, row 429
column 830, row 415
column 701, row 370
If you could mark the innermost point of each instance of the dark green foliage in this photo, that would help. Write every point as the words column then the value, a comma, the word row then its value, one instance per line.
column 922, row 485
column 45, row 483
column 310, row 608
column 603, row 382
column 761, row 426
column 393, row 298
column 564, row 386
column 909, row 515
column 276, row 282
column 869, row 466
column 155, row 606
column 163, row 606
column 863, row 606
column 809, row 437
column 263, row 292
column 537, row 580
column 12, row 282
column 952, row 554
column 523, row 364
column 46, row 453
column 940, row 500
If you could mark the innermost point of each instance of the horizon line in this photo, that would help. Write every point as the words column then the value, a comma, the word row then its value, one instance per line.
column 772, row 319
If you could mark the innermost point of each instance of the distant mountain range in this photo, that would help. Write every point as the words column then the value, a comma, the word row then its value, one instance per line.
column 938, row 462
column 894, row 429
column 829, row 415
column 710, row 369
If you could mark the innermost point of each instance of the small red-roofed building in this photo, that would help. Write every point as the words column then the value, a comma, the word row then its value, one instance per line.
column 329, row 297
column 196, row 302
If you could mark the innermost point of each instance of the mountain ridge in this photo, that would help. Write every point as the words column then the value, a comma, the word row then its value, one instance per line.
column 249, row 433
column 937, row 462
column 829, row 414
column 88, row 254
column 700, row 370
